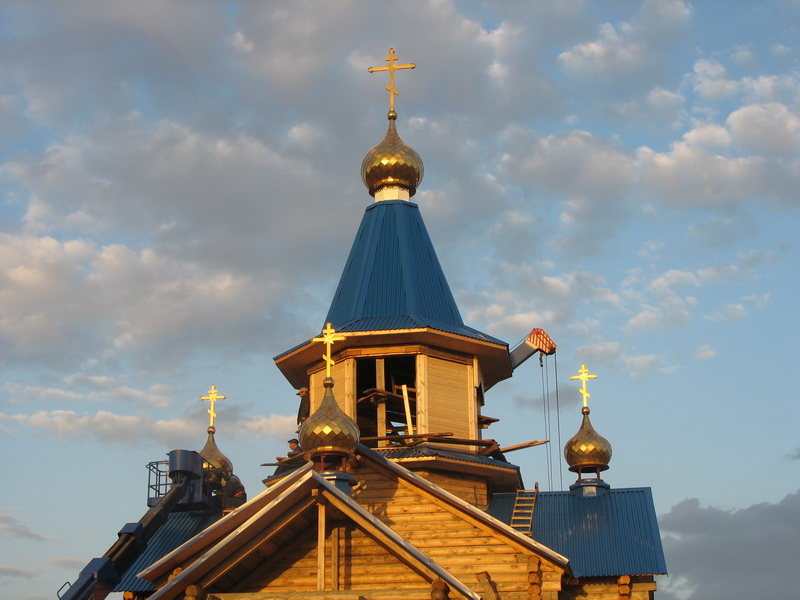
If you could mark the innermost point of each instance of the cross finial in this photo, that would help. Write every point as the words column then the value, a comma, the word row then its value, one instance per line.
column 584, row 377
column 212, row 397
column 328, row 337
column 391, row 59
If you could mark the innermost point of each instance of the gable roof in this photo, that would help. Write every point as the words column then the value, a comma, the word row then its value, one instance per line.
column 278, row 513
column 243, row 530
column 613, row 533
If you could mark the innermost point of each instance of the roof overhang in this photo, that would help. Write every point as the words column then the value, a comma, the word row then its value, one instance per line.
column 493, row 357
column 503, row 478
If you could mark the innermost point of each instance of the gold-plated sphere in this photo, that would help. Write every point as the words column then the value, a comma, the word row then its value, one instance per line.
column 587, row 450
column 392, row 163
column 329, row 430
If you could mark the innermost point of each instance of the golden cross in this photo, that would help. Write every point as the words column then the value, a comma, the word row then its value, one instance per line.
column 391, row 68
column 584, row 377
column 212, row 397
column 328, row 337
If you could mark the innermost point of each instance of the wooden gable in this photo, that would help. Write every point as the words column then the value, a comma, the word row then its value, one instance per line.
column 303, row 536
column 308, row 538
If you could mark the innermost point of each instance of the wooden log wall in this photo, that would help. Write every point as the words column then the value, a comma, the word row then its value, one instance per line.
column 625, row 587
column 469, row 488
column 463, row 547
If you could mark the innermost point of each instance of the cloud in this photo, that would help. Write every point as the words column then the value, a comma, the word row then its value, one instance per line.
column 704, row 352
column 712, row 82
column 708, row 550
column 272, row 426
column 11, row 528
column 768, row 129
column 113, row 428
column 67, row 562
column 16, row 573
column 728, row 312
column 628, row 57
column 643, row 364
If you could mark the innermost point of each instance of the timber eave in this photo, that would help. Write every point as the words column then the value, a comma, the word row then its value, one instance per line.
column 502, row 478
column 493, row 355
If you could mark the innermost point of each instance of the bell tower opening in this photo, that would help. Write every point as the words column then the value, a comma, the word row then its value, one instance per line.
column 386, row 397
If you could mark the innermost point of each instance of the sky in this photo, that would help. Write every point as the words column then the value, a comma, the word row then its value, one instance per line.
column 180, row 186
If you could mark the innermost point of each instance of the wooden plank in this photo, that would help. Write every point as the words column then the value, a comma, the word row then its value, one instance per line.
column 489, row 589
column 321, row 546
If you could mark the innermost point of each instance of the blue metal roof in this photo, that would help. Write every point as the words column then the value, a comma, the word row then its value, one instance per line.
column 614, row 533
column 393, row 279
column 179, row 527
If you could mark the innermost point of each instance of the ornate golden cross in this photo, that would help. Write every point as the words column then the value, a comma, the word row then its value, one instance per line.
column 328, row 337
column 584, row 377
column 212, row 397
column 391, row 68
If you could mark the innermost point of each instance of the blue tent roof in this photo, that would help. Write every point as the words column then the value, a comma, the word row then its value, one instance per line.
column 393, row 279
column 614, row 533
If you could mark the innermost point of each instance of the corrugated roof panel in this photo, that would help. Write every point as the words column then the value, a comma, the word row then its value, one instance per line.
column 613, row 534
column 179, row 527
column 393, row 271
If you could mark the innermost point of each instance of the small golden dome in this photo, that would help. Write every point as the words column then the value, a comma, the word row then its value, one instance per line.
column 217, row 466
column 328, row 430
column 587, row 450
column 392, row 163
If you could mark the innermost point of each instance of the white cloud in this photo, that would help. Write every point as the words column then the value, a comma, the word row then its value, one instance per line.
column 728, row 312
column 780, row 50
column 704, row 352
column 690, row 176
column 709, row 136
column 759, row 300
column 601, row 353
column 610, row 52
column 712, row 82
column 643, row 364
column 272, row 426
column 768, row 129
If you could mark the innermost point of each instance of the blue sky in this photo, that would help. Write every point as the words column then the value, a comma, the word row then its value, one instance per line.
column 180, row 187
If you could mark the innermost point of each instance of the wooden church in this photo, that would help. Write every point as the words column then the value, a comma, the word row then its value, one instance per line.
column 397, row 494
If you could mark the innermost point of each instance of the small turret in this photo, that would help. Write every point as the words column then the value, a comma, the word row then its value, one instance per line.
column 587, row 450
column 329, row 437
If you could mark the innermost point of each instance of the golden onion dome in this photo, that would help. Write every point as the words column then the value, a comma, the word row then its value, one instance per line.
column 328, row 430
column 217, row 465
column 392, row 163
column 587, row 450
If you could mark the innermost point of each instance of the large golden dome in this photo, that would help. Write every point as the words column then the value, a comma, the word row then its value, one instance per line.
column 392, row 163
column 587, row 450
column 328, row 430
